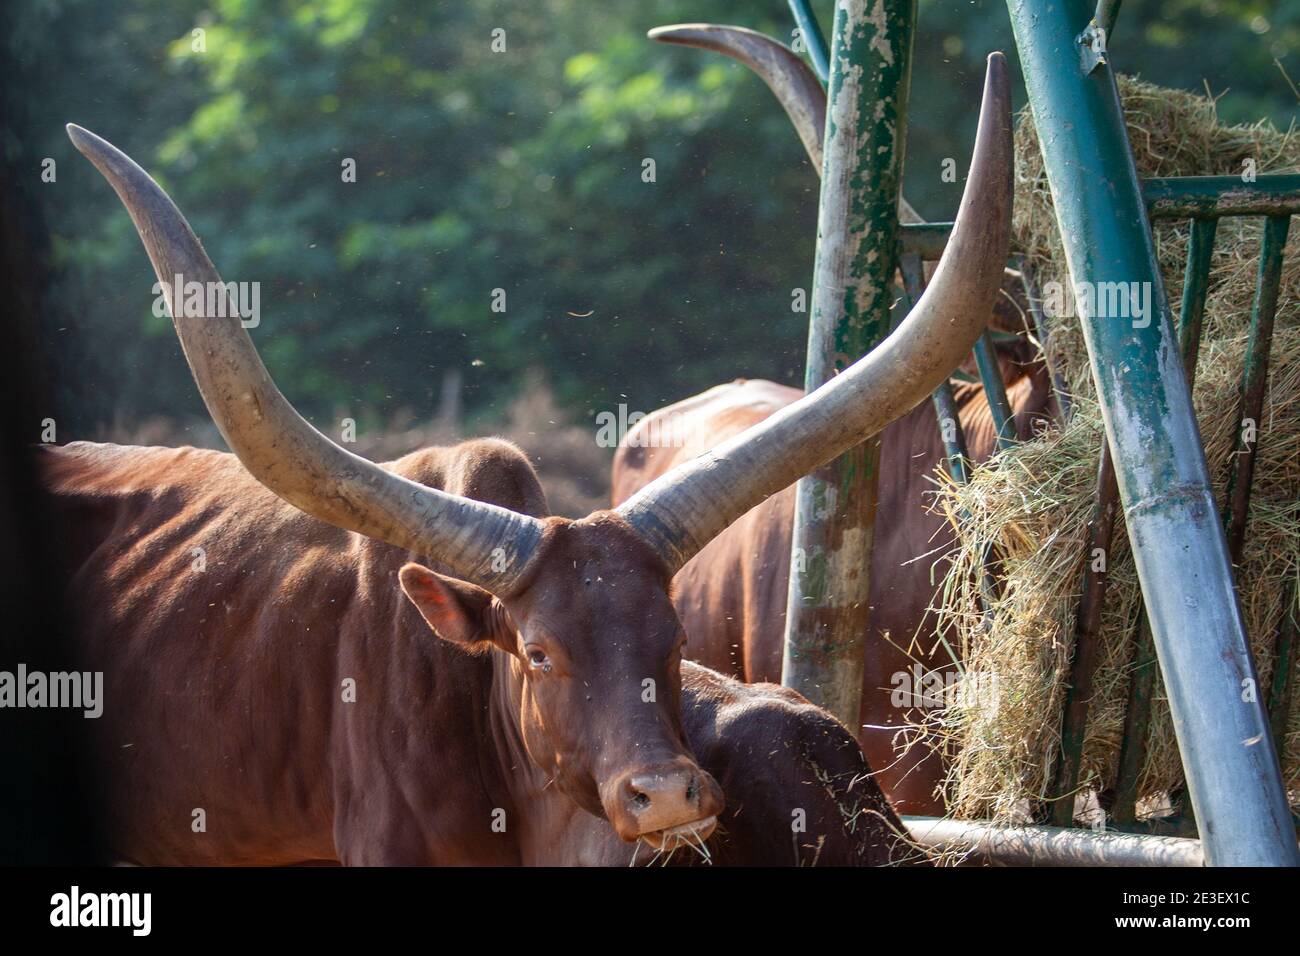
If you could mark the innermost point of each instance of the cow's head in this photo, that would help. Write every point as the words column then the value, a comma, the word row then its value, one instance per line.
column 583, row 607
column 596, row 647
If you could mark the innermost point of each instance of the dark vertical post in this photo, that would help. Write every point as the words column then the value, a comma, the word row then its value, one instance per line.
column 857, row 251
column 1173, row 524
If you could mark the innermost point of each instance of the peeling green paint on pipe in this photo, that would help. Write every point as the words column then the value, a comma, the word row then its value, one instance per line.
column 853, row 288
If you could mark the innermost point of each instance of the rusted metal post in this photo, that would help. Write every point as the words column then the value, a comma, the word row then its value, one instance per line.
column 1173, row 523
column 857, row 236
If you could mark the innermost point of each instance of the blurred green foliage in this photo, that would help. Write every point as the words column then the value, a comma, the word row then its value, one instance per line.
column 479, row 170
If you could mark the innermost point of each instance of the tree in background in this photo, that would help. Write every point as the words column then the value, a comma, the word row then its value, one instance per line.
column 484, row 161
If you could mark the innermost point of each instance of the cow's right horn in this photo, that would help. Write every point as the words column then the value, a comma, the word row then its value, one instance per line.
column 481, row 543
column 681, row 511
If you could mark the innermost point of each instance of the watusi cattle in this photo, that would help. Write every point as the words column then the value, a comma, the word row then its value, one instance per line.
column 559, row 643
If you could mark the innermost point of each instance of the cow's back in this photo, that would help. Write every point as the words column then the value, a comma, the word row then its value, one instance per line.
column 263, row 673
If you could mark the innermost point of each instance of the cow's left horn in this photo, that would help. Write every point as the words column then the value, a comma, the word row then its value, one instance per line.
column 482, row 543
column 683, row 510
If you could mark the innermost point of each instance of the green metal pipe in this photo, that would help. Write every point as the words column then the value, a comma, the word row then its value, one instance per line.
column 1180, row 197
column 1254, row 382
column 1107, row 11
column 995, row 391
column 951, row 433
column 853, row 284
column 813, row 37
column 1176, row 536
column 1173, row 197
column 1196, row 283
column 1137, row 725
column 1142, row 680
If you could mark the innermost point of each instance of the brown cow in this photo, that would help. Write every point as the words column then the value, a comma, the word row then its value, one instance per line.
column 738, row 583
column 578, row 677
column 226, row 689
column 732, row 596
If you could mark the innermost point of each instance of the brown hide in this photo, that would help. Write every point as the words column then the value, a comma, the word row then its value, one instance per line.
column 732, row 596
column 226, row 623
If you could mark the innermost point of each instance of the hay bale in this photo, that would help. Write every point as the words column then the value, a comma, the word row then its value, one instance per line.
column 1033, row 503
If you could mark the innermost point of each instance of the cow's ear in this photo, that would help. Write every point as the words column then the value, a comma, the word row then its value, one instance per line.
column 459, row 612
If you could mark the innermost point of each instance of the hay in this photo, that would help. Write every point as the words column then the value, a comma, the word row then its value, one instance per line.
column 1032, row 503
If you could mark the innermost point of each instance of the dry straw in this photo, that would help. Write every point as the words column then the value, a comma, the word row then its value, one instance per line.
column 1032, row 503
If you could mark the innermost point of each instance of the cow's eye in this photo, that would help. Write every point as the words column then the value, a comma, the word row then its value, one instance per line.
column 537, row 658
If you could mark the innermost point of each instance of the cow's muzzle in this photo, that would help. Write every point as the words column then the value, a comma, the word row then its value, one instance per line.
column 665, row 805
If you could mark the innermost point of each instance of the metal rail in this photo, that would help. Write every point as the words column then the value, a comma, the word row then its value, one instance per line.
column 1204, row 197
column 1166, row 497
column 1052, row 846
column 1231, row 767
column 1246, row 201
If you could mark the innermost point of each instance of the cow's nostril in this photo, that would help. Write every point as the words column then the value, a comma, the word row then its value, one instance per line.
column 640, row 800
column 693, row 790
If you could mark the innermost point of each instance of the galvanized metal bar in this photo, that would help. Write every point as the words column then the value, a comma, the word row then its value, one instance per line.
column 857, row 247
column 1182, row 197
column 813, row 37
column 1254, row 382
column 946, row 418
column 1177, row 540
column 1142, row 682
column 995, row 391
column 1052, row 846
column 1196, row 282
column 1087, row 640
column 1043, row 328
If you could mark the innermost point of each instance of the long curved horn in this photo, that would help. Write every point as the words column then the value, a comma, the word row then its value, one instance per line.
column 683, row 510
column 482, row 543
column 784, row 71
